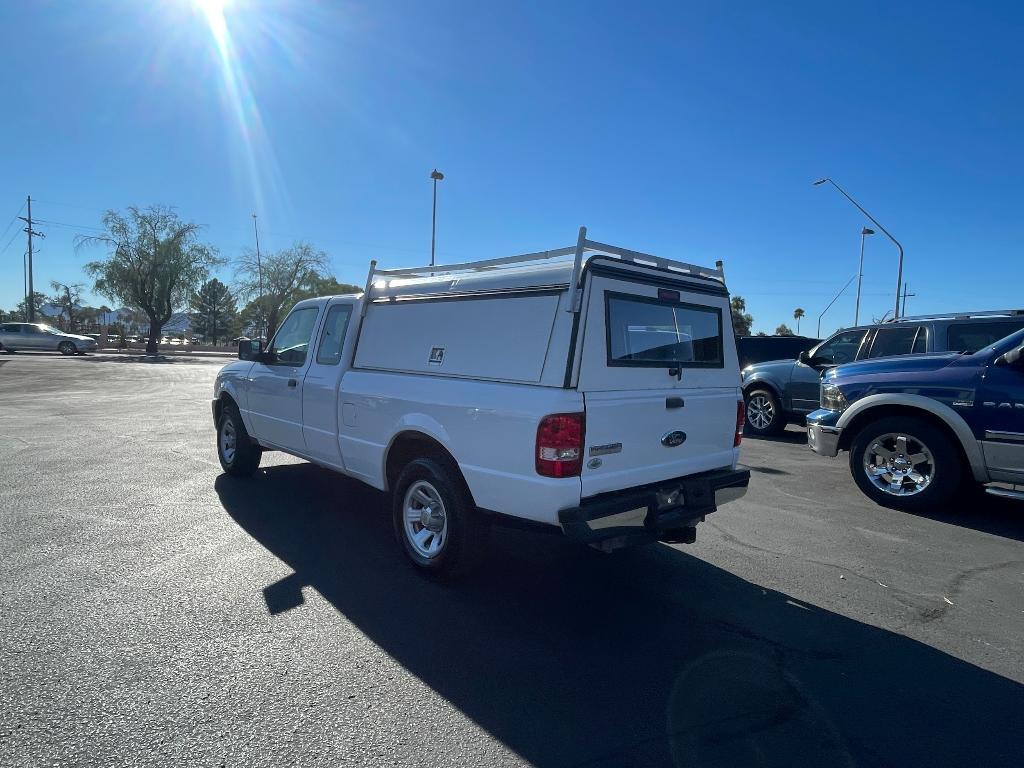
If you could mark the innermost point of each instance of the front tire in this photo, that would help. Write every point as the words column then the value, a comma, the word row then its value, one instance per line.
column 435, row 520
column 764, row 414
column 239, row 455
column 67, row 348
column 906, row 463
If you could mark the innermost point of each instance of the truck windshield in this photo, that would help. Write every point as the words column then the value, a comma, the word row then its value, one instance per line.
column 654, row 332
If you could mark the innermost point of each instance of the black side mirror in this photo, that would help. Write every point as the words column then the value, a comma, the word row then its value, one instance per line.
column 250, row 349
column 805, row 357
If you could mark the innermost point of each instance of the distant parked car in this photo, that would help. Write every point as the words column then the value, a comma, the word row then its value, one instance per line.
column 918, row 427
column 37, row 337
column 782, row 391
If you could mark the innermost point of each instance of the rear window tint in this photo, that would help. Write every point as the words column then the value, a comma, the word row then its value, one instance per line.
column 901, row 340
column 660, row 333
column 970, row 337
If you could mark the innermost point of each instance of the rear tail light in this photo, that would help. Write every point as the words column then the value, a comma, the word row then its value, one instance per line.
column 741, row 416
column 559, row 451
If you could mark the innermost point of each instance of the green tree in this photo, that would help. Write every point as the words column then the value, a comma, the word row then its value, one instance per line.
column 741, row 321
column 38, row 300
column 329, row 286
column 285, row 276
column 797, row 314
column 783, row 330
column 213, row 311
column 156, row 263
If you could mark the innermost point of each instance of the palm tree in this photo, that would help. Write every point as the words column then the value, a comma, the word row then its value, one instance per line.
column 797, row 314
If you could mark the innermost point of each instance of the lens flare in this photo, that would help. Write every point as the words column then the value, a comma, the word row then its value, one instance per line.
column 261, row 166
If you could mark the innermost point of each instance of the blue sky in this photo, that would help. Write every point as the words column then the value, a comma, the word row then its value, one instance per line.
column 690, row 130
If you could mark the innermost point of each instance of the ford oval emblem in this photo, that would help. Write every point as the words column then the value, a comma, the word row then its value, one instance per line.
column 672, row 439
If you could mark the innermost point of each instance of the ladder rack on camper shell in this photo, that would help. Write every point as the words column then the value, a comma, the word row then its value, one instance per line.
column 381, row 278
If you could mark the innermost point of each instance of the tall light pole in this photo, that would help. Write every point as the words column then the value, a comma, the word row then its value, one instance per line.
column 899, row 274
column 860, row 272
column 259, row 272
column 436, row 175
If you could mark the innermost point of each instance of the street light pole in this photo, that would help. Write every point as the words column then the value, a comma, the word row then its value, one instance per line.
column 436, row 175
column 259, row 271
column 860, row 272
column 899, row 274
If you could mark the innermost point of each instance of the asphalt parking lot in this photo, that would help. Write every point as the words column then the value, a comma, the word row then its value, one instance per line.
column 157, row 612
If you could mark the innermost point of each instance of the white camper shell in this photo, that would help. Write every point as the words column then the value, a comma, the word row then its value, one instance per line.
column 592, row 388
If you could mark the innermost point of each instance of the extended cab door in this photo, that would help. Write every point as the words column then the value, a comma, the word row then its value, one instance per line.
column 660, row 381
column 999, row 403
column 275, row 387
column 320, row 402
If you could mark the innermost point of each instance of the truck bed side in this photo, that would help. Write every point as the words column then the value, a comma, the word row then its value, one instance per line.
column 490, row 428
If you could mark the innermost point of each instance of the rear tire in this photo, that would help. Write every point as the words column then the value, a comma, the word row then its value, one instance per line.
column 435, row 521
column 67, row 348
column 906, row 463
column 239, row 455
column 763, row 412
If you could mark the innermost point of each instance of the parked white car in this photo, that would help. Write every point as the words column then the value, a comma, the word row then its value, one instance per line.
column 37, row 337
column 591, row 388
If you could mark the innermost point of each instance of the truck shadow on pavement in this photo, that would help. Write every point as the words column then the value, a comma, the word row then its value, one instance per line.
column 645, row 657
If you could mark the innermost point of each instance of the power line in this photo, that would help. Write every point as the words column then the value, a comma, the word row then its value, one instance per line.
column 14, row 218
column 2, row 252
column 50, row 222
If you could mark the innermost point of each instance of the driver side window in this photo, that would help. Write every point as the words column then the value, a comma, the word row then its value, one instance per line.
column 841, row 348
column 291, row 342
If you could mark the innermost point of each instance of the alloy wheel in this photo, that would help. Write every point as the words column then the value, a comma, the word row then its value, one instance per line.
column 760, row 411
column 899, row 464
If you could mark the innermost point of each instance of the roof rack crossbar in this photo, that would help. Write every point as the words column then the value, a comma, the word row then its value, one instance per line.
column 959, row 315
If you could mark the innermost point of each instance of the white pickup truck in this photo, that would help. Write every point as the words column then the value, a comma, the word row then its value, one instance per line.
column 590, row 389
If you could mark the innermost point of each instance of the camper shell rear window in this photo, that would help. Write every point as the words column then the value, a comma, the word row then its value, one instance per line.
column 660, row 333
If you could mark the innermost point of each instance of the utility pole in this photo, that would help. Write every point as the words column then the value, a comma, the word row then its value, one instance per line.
column 905, row 294
column 259, row 270
column 30, row 308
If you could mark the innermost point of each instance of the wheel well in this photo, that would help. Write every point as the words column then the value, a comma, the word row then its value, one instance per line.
column 411, row 445
column 865, row 417
column 761, row 384
column 219, row 407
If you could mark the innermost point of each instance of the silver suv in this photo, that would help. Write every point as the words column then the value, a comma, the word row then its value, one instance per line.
column 781, row 391
column 37, row 337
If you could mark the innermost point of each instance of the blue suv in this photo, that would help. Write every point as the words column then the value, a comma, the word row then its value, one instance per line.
column 921, row 426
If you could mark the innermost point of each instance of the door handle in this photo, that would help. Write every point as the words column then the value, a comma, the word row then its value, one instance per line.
column 292, row 382
column 674, row 402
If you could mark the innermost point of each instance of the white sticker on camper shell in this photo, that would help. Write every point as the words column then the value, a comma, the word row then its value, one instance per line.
column 436, row 356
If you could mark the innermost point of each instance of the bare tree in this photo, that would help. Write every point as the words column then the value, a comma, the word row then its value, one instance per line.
column 156, row 262
column 67, row 297
column 288, row 276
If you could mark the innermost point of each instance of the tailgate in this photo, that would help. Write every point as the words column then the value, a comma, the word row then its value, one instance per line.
column 660, row 382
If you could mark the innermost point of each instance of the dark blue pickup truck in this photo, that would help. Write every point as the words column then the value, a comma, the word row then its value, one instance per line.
column 919, row 427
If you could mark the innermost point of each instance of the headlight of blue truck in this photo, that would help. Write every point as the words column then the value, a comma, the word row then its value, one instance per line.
column 832, row 398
